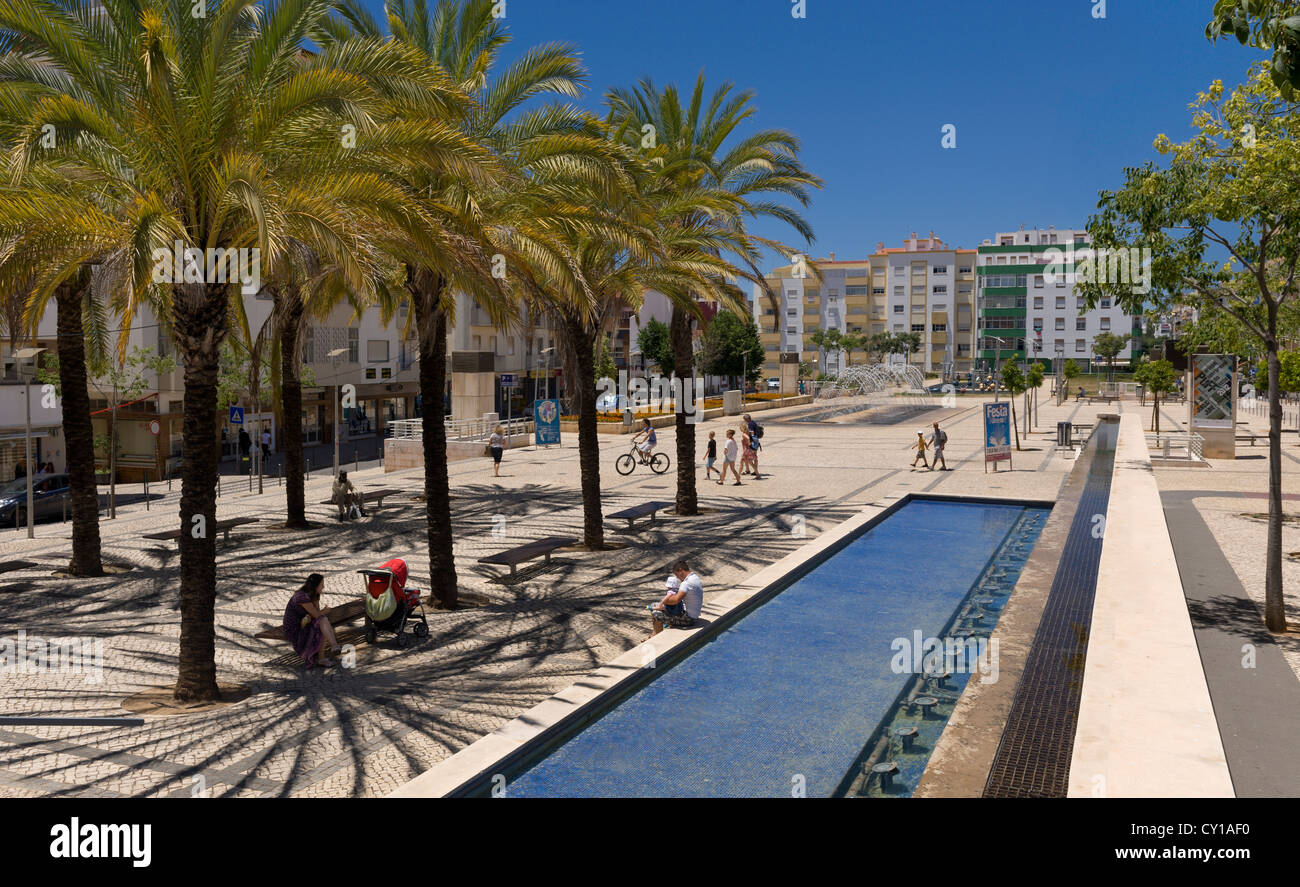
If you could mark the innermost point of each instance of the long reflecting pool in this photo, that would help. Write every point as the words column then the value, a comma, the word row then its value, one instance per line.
column 805, row 693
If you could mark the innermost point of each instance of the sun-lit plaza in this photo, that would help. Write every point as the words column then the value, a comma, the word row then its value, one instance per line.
column 799, row 399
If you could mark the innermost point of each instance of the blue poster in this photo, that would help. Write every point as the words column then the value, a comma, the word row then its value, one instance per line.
column 546, row 422
column 997, row 431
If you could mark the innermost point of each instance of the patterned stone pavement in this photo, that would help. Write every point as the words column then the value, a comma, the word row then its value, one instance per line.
column 365, row 730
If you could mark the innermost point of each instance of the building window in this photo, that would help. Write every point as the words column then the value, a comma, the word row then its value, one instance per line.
column 1060, row 323
column 939, row 306
column 855, row 290
column 877, row 290
column 939, row 269
column 376, row 350
column 354, row 345
column 1060, row 303
column 1038, row 281
column 918, row 327
column 898, row 327
column 1038, row 302
column 1080, row 345
column 792, row 312
column 1081, row 323
column 963, row 269
column 939, row 289
column 1105, row 323
column 918, row 309
column 1038, row 324
column 1105, row 303
column 938, row 327
column 898, row 309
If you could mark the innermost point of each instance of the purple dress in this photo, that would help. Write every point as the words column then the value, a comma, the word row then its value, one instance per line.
column 307, row 642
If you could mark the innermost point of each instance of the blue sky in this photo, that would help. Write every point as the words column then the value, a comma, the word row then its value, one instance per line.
column 1050, row 103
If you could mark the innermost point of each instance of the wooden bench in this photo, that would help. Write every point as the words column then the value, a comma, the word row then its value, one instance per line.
column 368, row 496
column 1104, row 398
column 1250, row 436
column 222, row 526
column 353, row 609
column 513, row 557
column 636, row 511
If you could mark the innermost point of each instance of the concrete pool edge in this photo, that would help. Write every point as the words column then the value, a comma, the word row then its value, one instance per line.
column 555, row 718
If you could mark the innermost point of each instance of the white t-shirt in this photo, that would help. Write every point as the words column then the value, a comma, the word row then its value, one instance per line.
column 694, row 599
column 729, row 453
column 495, row 440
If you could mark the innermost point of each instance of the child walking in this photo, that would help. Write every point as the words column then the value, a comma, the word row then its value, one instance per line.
column 920, row 447
column 711, row 458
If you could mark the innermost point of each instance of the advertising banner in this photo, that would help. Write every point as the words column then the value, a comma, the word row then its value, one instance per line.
column 546, row 422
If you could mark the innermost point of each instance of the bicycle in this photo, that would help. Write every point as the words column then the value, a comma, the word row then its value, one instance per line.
column 626, row 463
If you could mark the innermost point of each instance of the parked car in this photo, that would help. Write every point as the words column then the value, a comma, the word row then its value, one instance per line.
column 49, row 492
column 774, row 384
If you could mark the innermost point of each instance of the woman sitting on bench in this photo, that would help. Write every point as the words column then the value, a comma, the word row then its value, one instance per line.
column 307, row 624
column 346, row 496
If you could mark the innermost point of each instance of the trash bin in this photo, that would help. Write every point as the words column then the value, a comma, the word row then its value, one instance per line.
column 1063, row 435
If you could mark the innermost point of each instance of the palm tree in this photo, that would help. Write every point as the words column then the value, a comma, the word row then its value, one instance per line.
column 217, row 127
column 702, row 148
column 462, row 39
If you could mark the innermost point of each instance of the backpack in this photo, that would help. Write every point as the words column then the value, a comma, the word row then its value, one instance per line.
column 758, row 431
column 943, row 437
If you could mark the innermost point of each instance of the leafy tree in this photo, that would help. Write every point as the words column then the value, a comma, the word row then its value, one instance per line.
column 1107, row 346
column 1033, row 381
column 604, row 360
column 851, row 342
column 1288, row 376
column 1158, row 377
column 656, row 345
column 1070, row 370
column 732, row 347
column 1222, row 192
column 1014, row 381
column 1265, row 24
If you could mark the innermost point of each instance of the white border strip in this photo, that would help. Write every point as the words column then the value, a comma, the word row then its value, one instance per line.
column 1146, row 723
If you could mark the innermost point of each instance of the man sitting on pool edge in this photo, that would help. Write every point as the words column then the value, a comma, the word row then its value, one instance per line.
column 681, row 605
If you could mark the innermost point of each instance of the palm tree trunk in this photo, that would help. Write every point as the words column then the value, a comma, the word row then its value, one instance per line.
column 1014, row 423
column 1274, row 610
column 78, row 432
column 426, row 289
column 200, row 319
column 581, row 341
column 291, row 408
column 684, row 358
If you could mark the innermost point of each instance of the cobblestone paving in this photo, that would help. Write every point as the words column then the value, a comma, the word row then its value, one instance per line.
column 363, row 731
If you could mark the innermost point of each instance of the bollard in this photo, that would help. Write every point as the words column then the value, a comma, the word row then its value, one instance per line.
column 218, row 486
column 1166, row 448
column 308, row 468
column 146, row 491
column 65, row 508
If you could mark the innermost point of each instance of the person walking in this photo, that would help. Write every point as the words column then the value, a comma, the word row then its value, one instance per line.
column 710, row 457
column 245, row 450
column 266, row 444
column 496, row 446
column 937, row 440
column 755, row 432
column 729, row 450
column 920, row 447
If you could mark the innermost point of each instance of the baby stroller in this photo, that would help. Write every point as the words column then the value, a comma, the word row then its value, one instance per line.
column 390, row 604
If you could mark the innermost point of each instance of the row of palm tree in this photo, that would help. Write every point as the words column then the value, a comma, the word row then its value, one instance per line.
column 387, row 163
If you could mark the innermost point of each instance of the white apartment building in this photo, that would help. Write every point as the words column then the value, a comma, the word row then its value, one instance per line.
column 1023, row 313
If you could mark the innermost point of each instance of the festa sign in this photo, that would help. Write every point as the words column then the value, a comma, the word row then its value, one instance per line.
column 997, row 433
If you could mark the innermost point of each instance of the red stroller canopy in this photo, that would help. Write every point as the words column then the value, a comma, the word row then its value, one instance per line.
column 378, row 583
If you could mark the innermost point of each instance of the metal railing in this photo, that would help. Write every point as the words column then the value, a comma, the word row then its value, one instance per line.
column 1176, row 444
column 1257, row 406
column 460, row 429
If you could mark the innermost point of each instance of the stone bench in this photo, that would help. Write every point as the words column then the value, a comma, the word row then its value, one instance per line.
column 513, row 557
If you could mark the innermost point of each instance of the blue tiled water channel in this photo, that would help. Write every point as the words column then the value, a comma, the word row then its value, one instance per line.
column 787, row 698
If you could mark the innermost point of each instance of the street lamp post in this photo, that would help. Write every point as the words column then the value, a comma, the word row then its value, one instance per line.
column 23, row 354
column 338, row 407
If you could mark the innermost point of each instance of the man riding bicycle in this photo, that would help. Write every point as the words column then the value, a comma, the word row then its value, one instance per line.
column 645, row 440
